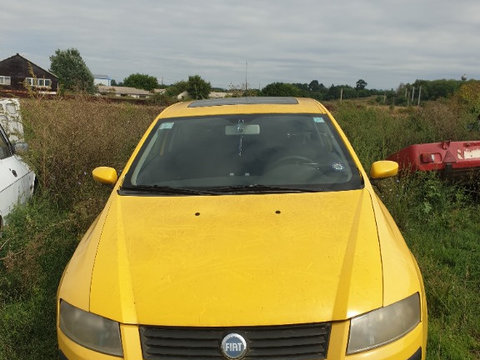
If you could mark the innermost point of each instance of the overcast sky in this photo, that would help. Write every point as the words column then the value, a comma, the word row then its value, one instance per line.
column 384, row 42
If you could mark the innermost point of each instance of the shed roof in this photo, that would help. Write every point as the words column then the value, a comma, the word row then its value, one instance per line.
column 17, row 57
column 122, row 90
column 97, row 76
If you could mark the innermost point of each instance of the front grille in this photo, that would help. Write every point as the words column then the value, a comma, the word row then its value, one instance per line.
column 286, row 342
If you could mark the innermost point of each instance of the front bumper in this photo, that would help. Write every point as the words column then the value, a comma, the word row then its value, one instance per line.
column 409, row 347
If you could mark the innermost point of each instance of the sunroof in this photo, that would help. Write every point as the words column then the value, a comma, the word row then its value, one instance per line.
column 245, row 101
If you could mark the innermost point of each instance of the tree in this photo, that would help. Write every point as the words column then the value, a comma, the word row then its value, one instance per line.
column 314, row 86
column 469, row 96
column 73, row 74
column 361, row 84
column 177, row 88
column 198, row 88
column 280, row 89
column 141, row 81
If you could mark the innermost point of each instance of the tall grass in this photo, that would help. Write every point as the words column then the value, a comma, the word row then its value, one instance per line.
column 441, row 224
column 376, row 132
column 68, row 138
column 36, row 246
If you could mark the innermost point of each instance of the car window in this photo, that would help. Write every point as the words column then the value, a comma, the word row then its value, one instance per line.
column 4, row 147
column 244, row 150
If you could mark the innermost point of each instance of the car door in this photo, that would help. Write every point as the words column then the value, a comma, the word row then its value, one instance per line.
column 16, row 179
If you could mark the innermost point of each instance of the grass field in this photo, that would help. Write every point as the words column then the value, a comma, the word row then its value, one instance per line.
column 68, row 138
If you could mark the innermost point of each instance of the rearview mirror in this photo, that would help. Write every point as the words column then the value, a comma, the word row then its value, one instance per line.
column 242, row 129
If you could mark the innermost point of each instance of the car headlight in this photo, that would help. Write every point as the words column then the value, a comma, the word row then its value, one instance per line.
column 384, row 325
column 90, row 330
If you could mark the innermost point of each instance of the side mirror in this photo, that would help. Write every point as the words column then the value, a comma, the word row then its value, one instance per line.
column 105, row 175
column 20, row 148
column 383, row 169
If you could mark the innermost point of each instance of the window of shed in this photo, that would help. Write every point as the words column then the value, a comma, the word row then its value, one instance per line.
column 38, row 82
column 5, row 80
column 44, row 82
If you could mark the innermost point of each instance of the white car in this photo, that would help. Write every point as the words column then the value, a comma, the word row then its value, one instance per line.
column 17, row 180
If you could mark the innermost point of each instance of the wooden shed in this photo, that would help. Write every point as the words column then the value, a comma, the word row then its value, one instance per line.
column 17, row 72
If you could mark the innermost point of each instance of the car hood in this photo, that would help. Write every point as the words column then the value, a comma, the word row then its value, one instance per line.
column 237, row 260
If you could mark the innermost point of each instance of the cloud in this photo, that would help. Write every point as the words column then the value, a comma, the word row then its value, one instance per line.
column 384, row 42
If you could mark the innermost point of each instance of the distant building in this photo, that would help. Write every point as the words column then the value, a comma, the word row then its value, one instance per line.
column 17, row 73
column 213, row 95
column 183, row 96
column 219, row 94
column 123, row 91
column 104, row 80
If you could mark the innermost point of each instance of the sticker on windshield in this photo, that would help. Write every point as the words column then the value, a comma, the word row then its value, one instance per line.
column 166, row 125
column 318, row 120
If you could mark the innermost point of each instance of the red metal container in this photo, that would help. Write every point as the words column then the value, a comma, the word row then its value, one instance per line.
column 451, row 157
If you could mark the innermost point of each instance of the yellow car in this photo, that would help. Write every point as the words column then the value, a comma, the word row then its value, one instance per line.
column 243, row 228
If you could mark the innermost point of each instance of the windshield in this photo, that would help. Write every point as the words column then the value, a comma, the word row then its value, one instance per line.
column 237, row 153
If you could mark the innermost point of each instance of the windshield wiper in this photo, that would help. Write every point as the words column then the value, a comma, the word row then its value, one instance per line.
column 260, row 189
column 157, row 189
column 218, row 190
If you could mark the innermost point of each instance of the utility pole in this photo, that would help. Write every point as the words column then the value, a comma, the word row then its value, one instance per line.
column 246, row 75
column 419, row 95
column 341, row 94
column 413, row 94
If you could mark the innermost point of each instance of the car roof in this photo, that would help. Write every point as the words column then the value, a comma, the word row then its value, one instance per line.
column 244, row 105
